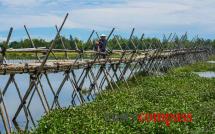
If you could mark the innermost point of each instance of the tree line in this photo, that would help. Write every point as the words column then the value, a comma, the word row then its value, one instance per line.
column 117, row 43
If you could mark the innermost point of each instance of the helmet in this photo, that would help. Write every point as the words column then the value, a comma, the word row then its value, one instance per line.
column 102, row 35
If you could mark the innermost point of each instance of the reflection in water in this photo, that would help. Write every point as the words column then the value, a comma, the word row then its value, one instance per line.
column 206, row 74
column 213, row 62
column 12, row 99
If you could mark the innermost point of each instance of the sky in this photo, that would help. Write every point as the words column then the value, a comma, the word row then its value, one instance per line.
column 152, row 17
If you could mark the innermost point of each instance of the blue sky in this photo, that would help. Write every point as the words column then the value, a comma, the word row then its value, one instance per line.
column 154, row 18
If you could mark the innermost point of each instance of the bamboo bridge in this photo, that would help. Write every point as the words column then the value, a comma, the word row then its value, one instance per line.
column 96, row 73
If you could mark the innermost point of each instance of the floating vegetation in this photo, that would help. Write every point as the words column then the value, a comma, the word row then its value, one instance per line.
column 179, row 91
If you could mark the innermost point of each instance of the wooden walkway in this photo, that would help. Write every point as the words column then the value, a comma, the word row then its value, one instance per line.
column 63, row 65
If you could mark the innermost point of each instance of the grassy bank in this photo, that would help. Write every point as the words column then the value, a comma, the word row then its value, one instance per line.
column 58, row 55
column 30, row 55
column 179, row 91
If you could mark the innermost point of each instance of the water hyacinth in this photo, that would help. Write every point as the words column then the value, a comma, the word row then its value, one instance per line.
column 178, row 91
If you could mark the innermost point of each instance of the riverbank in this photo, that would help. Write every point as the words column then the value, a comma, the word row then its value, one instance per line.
column 57, row 55
column 179, row 91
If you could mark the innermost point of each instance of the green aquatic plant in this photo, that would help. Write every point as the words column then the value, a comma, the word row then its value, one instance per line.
column 179, row 91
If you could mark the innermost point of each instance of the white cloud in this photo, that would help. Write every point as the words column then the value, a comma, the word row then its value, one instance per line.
column 43, row 20
column 21, row 3
column 152, row 16
column 132, row 14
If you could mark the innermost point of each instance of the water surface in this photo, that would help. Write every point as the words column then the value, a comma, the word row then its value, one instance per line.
column 12, row 100
column 206, row 74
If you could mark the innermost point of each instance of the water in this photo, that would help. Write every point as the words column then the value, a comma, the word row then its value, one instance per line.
column 21, row 61
column 12, row 100
column 206, row 74
column 212, row 62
